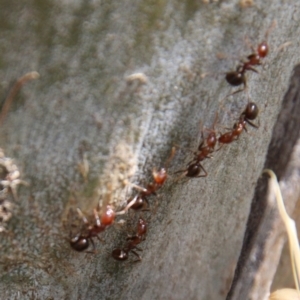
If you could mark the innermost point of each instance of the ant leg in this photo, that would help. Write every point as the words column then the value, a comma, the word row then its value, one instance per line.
column 210, row 130
column 222, row 144
column 139, row 257
column 84, row 219
column 123, row 211
column 236, row 92
column 146, row 205
column 202, row 143
column 99, row 239
column 190, row 163
column 139, row 188
column 251, row 124
column 271, row 27
column 249, row 44
column 204, row 175
column 181, row 176
column 94, row 248
column 97, row 219
column 252, row 69
column 137, row 248
column 180, row 171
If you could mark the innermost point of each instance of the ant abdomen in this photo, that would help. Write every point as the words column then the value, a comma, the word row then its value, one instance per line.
column 108, row 217
column 235, row 78
column 79, row 243
column 119, row 254
column 251, row 111
column 194, row 170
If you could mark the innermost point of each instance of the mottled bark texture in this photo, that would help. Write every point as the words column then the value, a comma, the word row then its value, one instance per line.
column 86, row 107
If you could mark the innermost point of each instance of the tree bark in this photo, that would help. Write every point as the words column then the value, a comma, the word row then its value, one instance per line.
column 121, row 82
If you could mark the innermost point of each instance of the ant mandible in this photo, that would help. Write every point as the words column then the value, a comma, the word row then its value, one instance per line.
column 250, row 113
column 122, row 254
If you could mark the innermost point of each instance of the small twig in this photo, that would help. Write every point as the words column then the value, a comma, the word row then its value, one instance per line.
column 14, row 91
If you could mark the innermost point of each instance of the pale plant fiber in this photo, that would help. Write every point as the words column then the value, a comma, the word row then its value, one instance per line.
column 284, row 294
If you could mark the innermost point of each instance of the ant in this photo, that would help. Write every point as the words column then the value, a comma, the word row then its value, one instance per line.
column 107, row 217
column 159, row 177
column 82, row 241
column 250, row 113
column 205, row 149
column 121, row 254
column 237, row 77
column 207, row 146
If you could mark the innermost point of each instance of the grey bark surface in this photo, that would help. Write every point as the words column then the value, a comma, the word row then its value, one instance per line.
column 84, row 103
column 264, row 237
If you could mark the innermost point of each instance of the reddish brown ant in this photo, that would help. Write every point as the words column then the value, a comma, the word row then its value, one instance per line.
column 250, row 113
column 207, row 146
column 193, row 170
column 237, row 77
column 159, row 178
column 82, row 241
column 106, row 218
column 121, row 254
column 205, row 149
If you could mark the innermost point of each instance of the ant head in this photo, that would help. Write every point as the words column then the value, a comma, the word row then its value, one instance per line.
column 107, row 217
column 193, row 170
column 263, row 49
column 251, row 111
column 159, row 176
column 79, row 243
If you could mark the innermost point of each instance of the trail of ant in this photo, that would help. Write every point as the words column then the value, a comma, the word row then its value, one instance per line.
column 104, row 214
column 140, row 203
